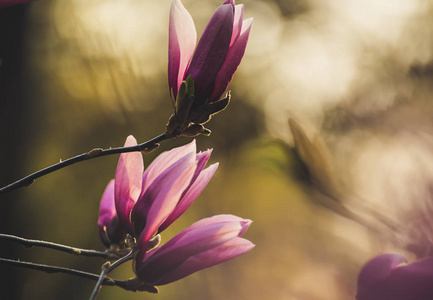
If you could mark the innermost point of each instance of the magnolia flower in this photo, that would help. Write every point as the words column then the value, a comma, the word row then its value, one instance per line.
column 144, row 204
column 385, row 278
column 206, row 243
column 218, row 55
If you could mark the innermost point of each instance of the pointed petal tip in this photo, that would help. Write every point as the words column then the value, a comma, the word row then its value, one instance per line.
column 246, row 24
column 130, row 141
column 205, row 151
column 190, row 144
column 214, row 166
column 203, row 157
column 232, row 2
column 246, row 223
column 246, row 244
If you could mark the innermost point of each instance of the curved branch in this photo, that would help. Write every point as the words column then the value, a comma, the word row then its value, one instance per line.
column 54, row 269
column 59, row 247
column 107, row 268
column 97, row 152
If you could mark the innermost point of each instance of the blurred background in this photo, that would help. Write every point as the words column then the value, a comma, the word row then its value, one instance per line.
column 349, row 179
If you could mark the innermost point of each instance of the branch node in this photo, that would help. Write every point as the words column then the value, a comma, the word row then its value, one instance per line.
column 94, row 152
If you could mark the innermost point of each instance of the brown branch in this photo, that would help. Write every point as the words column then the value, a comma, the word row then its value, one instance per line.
column 107, row 268
column 97, row 152
column 59, row 247
column 54, row 269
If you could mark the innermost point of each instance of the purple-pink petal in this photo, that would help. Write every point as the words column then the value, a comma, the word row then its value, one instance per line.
column 209, row 258
column 164, row 161
column 199, row 238
column 237, row 24
column 382, row 278
column 181, row 44
column 162, row 196
column 232, row 61
column 128, row 182
column 191, row 194
column 179, row 240
column 107, row 211
column 245, row 223
column 211, row 52
column 202, row 159
column 379, row 268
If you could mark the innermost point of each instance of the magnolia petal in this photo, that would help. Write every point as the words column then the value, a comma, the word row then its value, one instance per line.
column 414, row 279
column 209, row 258
column 211, row 52
column 237, row 24
column 218, row 229
column 107, row 208
column 379, row 269
column 107, row 211
column 189, row 197
column 383, row 278
column 245, row 223
column 162, row 196
column 232, row 61
column 127, row 187
column 200, row 237
column 202, row 159
column 164, row 161
column 181, row 44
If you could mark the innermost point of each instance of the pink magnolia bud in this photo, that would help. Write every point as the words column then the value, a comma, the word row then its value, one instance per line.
column 206, row 243
column 218, row 54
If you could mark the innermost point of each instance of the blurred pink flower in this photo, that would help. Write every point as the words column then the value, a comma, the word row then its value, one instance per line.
column 206, row 243
column 218, row 54
column 384, row 278
column 147, row 203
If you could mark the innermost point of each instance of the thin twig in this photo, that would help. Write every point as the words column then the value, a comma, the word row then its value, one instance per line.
column 129, row 285
column 107, row 269
column 59, row 247
column 55, row 269
column 98, row 152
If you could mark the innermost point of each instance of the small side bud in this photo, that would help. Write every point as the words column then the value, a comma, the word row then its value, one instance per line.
column 28, row 182
column 130, row 241
column 94, row 152
column 150, row 148
column 207, row 132
column 137, row 285
column 193, row 130
column 107, row 264
column 154, row 242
